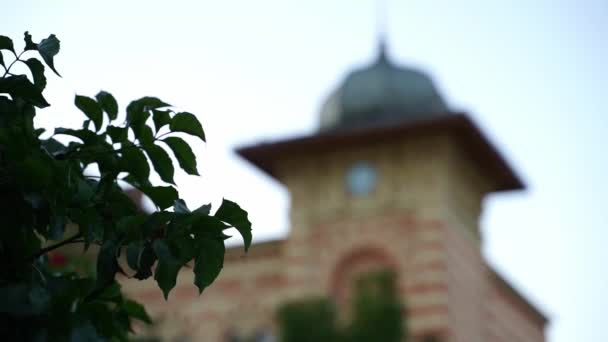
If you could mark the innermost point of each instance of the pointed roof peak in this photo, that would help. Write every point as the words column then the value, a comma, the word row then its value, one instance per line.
column 382, row 49
column 381, row 30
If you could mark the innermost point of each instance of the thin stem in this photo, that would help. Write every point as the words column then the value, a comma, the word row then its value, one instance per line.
column 74, row 239
column 11, row 65
column 162, row 135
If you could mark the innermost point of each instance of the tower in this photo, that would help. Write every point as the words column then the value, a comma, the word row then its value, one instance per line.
column 395, row 179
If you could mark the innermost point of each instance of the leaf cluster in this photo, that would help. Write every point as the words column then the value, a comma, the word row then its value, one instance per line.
column 46, row 186
column 377, row 315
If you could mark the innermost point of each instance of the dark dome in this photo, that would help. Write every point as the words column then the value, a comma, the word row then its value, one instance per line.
column 381, row 93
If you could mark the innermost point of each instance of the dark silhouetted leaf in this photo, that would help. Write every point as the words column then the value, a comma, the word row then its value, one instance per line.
column 204, row 209
column 6, row 44
column 136, row 310
column 167, row 268
column 232, row 214
column 118, row 134
column 136, row 108
column 48, row 48
column 108, row 104
column 91, row 109
column 86, row 124
column 20, row 87
column 37, row 70
column 29, row 44
column 161, row 161
column 85, row 135
column 54, row 147
column 146, row 260
column 144, row 134
column 180, row 206
column 134, row 250
column 187, row 123
column 107, row 266
column 134, row 161
column 162, row 196
column 208, row 263
column 161, row 118
column 183, row 153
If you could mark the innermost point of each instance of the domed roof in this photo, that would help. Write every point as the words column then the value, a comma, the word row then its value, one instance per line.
column 380, row 93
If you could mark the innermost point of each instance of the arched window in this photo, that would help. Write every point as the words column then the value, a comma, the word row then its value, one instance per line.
column 350, row 271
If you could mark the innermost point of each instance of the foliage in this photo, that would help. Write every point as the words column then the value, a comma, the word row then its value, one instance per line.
column 44, row 190
column 377, row 310
column 310, row 320
column 377, row 315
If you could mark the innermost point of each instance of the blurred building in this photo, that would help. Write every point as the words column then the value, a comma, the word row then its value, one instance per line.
column 392, row 180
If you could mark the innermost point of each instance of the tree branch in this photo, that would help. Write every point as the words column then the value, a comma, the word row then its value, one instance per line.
column 73, row 239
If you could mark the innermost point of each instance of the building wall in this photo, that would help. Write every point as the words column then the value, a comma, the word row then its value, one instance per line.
column 509, row 318
column 421, row 220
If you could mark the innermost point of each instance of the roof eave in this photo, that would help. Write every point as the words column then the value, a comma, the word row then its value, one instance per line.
column 265, row 155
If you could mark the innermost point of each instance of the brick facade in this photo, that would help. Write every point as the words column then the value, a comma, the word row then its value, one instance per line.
column 420, row 220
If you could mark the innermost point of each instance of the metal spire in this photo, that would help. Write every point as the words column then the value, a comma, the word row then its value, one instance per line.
column 381, row 22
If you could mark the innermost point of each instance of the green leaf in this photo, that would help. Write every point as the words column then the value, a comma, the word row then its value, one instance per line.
column 118, row 134
column 29, row 44
column 162, row 196
column 86, row 124
column 187, row 123
column 146, row 260
column 155, row 223
column 183, row 153
column 108, row 103
column 85, row 135
column 161, row 161
column 136, row 311
column 37, row 70
column 186, row 246
column 6, row 44
column 134, row 161
column 48, row 48
column 179, row 206
column 107, row 266
column 143, row 133
column 161, row 118
column 134, row 250
column 20, row 87
column 54, row 147
column 91, row 109
column 208, row 263
column 137, row 107
column 232, row 214
column 167, row 268
column 204, row 209
column 33, row 173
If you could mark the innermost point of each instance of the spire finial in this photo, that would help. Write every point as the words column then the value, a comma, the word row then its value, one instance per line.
column 381, row 16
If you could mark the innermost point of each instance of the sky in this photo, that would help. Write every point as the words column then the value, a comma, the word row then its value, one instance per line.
column 532, row 74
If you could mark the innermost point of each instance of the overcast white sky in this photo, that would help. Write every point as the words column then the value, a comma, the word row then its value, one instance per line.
column 533, row 75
